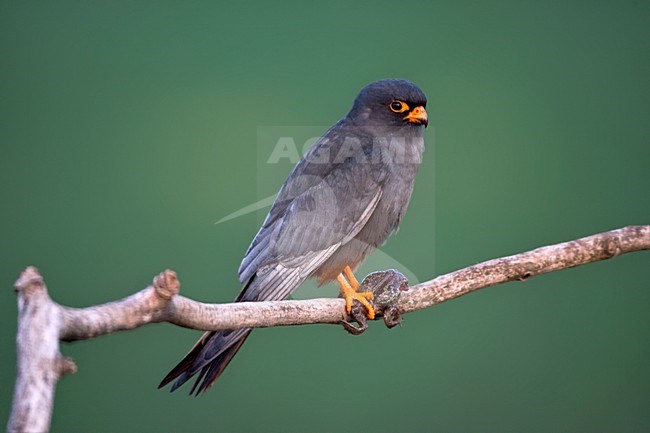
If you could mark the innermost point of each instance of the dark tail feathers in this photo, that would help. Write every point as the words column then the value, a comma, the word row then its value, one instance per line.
column 211, row 355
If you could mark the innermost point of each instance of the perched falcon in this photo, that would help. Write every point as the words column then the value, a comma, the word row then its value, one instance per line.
column 342, row 200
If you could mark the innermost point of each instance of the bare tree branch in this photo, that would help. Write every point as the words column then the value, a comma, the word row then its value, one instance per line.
column 42, row 323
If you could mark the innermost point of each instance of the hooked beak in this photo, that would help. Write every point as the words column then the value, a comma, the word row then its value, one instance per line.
column 418, row 115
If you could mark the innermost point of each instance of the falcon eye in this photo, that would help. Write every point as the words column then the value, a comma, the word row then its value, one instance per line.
column 398, row 106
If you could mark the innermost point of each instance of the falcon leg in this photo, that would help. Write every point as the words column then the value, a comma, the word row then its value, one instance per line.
column 351, row 278
column 349, row 289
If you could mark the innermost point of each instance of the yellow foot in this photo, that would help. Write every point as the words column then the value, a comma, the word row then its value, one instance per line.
column 349, row 289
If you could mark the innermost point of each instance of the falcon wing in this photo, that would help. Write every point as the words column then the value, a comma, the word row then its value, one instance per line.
column 309, row 172
column 314, row 225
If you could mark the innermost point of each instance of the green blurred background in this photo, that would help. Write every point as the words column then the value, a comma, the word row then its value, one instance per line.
column 129, row 128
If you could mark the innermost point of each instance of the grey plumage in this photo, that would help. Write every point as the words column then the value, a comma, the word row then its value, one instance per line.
column 343, row 199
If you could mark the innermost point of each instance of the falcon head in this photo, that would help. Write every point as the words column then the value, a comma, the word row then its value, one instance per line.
column 391, row 102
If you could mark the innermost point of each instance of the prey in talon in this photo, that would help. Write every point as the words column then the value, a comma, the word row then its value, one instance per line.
column 386, row 288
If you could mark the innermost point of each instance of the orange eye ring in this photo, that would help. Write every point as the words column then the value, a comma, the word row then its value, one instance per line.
column 398, row 106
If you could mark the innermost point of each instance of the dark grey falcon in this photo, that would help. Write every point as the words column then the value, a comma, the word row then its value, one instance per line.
column 342, row 200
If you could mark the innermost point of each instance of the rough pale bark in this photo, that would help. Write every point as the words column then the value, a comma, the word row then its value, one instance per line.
column 42, row 323
column 40, row 364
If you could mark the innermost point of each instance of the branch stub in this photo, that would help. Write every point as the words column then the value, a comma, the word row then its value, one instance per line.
column 166, row 284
